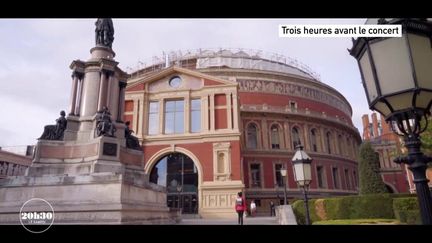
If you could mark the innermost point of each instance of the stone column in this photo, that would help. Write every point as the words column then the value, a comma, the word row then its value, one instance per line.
column 161, row 116
column 187, row 113
column 113, row 97
column 306, row 137
column 73, row 93
column 229, row 111
column 205, row 113
column 287, row 133
column 324, row 148
column 212, row 113
column 89, row 101
column 135, row 114
column 264, row 134
column 121, row 101
column 103, row 86
column 140, row 114
column 235, row 112
column 109, row 94
column 79, row 95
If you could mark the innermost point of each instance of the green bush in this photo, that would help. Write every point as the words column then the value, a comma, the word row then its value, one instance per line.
column 356, row 221
column 338, row 208
column 407, row 210
column 300, row 214
column 359, row 207
column 372, row 206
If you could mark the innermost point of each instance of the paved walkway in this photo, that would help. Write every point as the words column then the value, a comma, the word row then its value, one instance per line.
column 246, row 221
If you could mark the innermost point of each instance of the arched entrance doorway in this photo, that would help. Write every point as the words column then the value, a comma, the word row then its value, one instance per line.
column 178, row 173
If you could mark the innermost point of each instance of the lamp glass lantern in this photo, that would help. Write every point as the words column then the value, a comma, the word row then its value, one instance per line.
column 396, row 71
column 302, row 167
column 397, row 77
column 283, row 171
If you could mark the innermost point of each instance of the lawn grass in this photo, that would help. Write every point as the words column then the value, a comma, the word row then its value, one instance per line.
column 356, row 222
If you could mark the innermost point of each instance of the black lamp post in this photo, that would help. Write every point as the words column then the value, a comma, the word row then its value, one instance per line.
column 302, row 174
column 397, row 78
column 283, row 172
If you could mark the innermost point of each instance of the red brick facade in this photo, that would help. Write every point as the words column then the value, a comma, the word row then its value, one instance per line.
column 306, row 105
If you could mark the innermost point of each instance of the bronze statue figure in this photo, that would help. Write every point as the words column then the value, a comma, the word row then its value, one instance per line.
column 104, row 32
column 104, row 125
column 55, row 132
column 132, row 142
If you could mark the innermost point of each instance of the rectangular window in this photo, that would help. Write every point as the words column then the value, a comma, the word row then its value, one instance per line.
column 320, row 174
column 256, row 175
column 153, row 118
column 335, row 178
column 196, row 115
column 278, row 175
column 293, row 105
column 174, row 116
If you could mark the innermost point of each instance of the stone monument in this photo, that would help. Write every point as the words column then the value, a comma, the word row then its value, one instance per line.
column 88, row 166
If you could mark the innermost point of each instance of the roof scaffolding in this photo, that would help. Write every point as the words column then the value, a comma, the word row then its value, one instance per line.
column 230, row 57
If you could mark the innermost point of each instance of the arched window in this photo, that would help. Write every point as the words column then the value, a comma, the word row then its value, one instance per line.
column 313, row 140
column 274, row 136
column 328, row 142
column 295, row 137
column 252, row 140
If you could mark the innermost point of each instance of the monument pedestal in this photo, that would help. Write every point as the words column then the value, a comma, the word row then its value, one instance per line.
column 82, row 165
column 97, row 198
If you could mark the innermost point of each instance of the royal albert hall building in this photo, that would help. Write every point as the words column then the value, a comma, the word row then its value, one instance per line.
column 216, row 122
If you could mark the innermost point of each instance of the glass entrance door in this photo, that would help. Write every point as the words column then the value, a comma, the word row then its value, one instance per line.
column 188, row 203
column 178, row 173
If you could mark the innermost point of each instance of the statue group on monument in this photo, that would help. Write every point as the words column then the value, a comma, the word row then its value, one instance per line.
column 55, row 132
column 132, row 142
column 104, row 124
column 104, row 32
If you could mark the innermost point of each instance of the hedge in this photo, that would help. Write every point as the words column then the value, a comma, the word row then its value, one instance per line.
column 299, row 211
column 407, row 210
column 356, row 221
column 348, row 207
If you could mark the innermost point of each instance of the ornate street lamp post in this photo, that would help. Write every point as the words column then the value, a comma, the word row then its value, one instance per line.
column 283, row 172
column 302, row 174
column 397, row 78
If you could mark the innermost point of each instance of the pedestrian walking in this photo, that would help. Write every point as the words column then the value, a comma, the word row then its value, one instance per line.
column 253, row 208
column 240, row 207
column 272, row 209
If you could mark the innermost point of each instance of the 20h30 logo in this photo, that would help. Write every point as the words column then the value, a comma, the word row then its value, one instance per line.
column 36, row 215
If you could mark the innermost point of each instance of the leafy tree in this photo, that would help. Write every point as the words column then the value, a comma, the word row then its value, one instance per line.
column 426, row 138
column 370, row 179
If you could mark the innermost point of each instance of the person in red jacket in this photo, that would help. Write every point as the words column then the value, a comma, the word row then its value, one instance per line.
column 240, row 207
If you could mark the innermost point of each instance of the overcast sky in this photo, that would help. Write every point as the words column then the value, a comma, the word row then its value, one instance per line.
column 35, row 55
